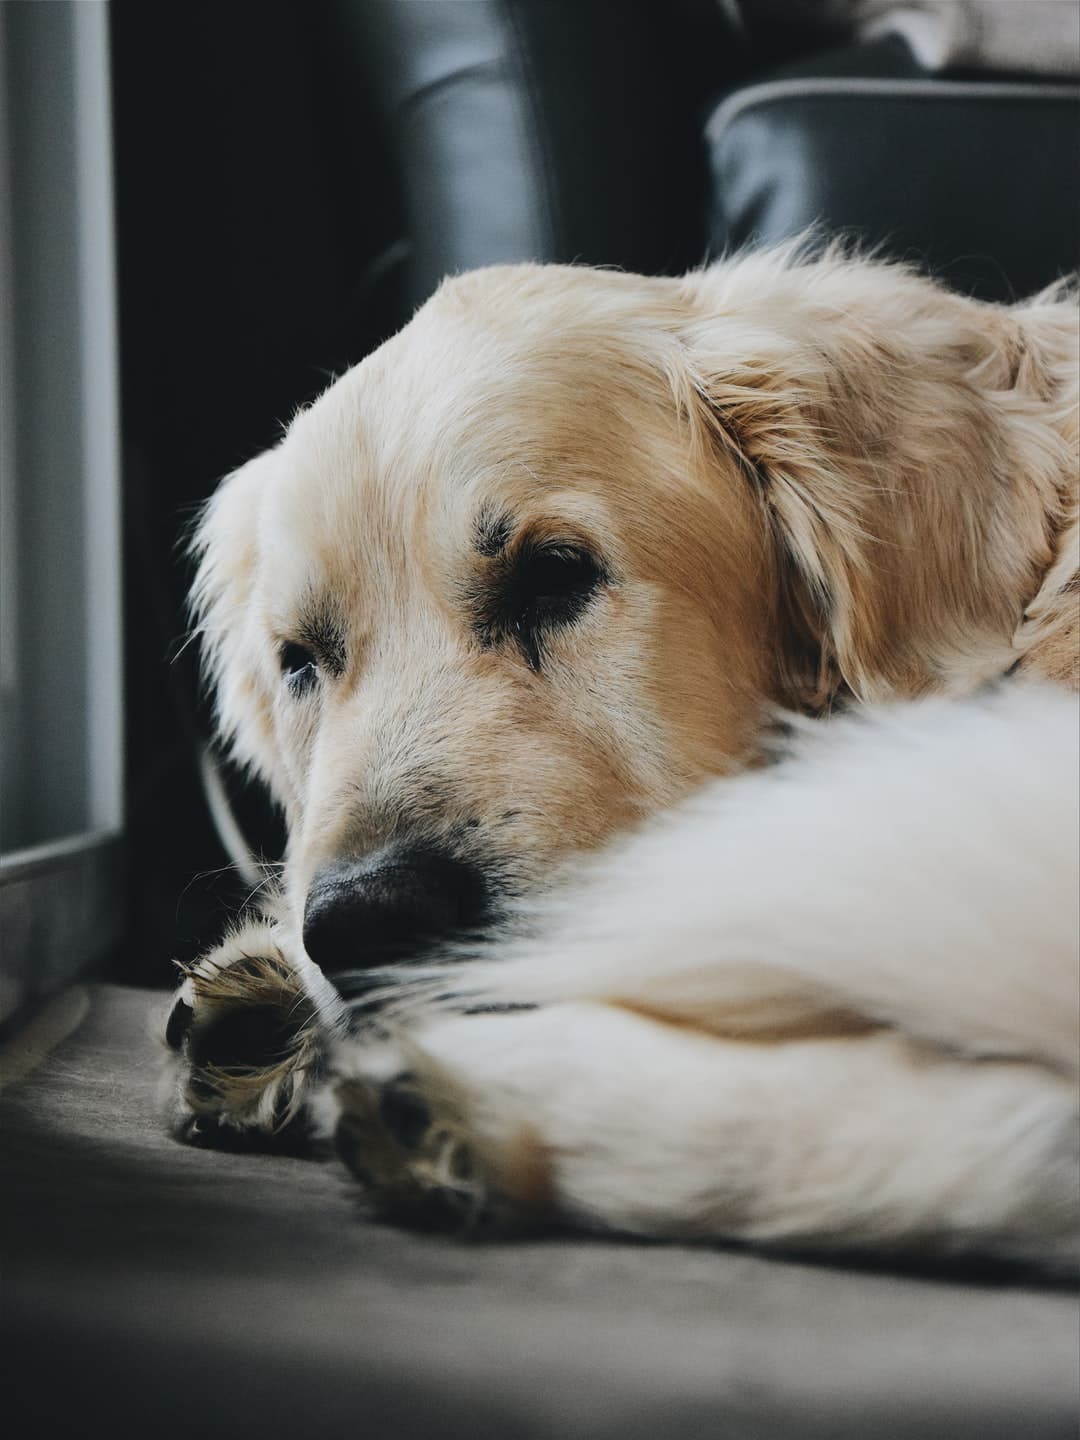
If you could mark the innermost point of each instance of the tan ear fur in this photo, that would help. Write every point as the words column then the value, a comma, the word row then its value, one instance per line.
column 913, row 453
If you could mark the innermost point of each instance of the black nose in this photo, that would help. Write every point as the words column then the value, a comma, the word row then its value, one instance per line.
column 389, row 906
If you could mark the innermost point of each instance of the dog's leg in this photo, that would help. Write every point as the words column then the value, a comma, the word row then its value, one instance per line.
column 600, row 1117
column 250, row 1030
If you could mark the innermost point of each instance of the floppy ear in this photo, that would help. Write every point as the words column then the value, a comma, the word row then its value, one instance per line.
column 224, row 546
column 903, row 449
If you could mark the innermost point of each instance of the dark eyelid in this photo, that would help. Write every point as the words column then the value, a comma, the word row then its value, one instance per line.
column 534, row 588
column 320, row 631
column 293, row 656
column 299, row 667
column 566, row 566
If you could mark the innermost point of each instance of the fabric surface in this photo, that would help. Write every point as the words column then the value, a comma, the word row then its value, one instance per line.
column 151, row 1289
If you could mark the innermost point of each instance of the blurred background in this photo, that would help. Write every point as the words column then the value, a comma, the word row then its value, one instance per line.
column 207, row 210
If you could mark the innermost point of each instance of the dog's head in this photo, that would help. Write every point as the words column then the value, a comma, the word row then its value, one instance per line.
column 539, row 565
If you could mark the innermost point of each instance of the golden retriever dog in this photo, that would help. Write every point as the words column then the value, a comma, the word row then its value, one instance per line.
column 669, row 685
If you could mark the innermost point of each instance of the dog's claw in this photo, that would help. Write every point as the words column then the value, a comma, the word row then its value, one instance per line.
column 178, row 1025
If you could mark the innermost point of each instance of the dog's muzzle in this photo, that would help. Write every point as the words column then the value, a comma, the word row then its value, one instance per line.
column 389, row 906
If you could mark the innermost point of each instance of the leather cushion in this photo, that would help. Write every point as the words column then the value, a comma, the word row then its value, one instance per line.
column 554, row 131
column 974, row 180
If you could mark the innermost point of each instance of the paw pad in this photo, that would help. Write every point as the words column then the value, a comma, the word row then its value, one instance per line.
column 413, row 1167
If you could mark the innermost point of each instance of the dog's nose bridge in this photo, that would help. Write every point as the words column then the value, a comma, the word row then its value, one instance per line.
column 388, row 770
column 385, row 906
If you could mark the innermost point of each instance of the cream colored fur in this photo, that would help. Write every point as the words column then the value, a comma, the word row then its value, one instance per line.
column 832, row 1001
column 864, row 968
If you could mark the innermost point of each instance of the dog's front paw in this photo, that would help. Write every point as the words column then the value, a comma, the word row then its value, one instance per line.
column 251, row 1044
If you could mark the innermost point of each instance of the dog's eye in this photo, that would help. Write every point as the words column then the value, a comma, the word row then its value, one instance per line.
column 299, row 667
column 552, row 584
column 532, row 591
column 548, row 587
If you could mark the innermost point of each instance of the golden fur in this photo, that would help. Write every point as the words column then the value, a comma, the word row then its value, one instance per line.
column 808, row 480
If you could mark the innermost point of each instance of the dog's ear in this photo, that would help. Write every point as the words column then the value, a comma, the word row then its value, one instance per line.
column 224, row 548
column 896, row 435
column 755, row 402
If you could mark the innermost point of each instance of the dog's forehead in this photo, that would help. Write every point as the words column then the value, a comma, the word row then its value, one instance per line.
column 508, row 386
column 499, row 363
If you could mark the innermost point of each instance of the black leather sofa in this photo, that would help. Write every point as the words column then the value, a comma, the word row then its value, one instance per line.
column 659, row 133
